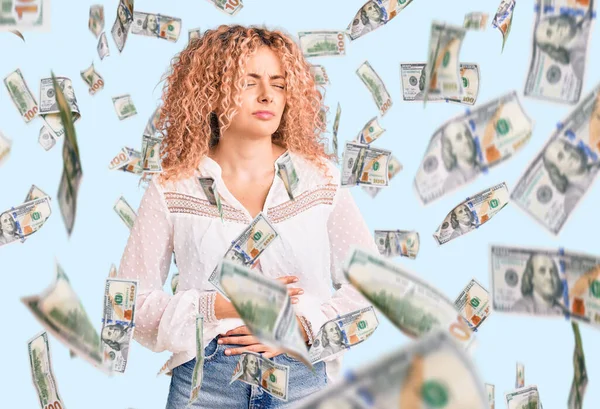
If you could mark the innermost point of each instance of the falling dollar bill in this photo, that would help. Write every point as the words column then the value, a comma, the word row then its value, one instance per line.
column 125, row 212
column 375, row 86
column 198, row 372
column 194, row 33
column 370, row 132
column 394, row 243
column 230, row 7
column 49, row 101
column 102, row 47
column 443, row 70
column 287, row 172
column 156, row 25
column 93, row 79
column 413, row 84
column 580, row 378
column 271, row 377
column 265, row 307
column 151, row 128
column 546, row 283
column 30, row 15
column 46, row 138
column 322, row 43
column 411, row 304
column 503, row 18
column 319, row 74
column 247, row 247
column 61, row 312
column 472, row 213
column 561, row 33
column 468, row 145
column 476, row 21
column 342, row 333
column 374, row 14
column 209, row 186
column 42, row 372
column 364, row 165
column 393, row 168
column 558, row 177
column 127, row 160
column 124, row 106
column 22, row 221
column 175, row 282
column 5, row 145
column 432, row 372
column 20, row 94
column 118, row 322
column 96, row 20
column 151, row 161
column 524, row 398
column 120, row 28
column 520, row 378
column 491, row 393
column 473, row 304
column 336, row 127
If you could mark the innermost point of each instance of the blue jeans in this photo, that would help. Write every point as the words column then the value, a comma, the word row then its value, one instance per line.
column 217, row 393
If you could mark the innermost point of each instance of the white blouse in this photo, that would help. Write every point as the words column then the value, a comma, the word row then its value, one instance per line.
column 316, row 232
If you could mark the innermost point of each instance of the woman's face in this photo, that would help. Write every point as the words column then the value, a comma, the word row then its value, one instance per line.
column 463, row 215
column 544, row 277
column 263, row 96
column 6, row 224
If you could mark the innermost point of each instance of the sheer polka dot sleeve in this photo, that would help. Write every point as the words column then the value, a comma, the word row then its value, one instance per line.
column 162, row 321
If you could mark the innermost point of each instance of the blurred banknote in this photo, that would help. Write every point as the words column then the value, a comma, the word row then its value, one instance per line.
column 49, row 102
column 546, row 283
column 432, row 372
column 5, row 145
column 520, row 379
column 156, row 25
column 503, row 18
column 92, row 79
column 336, row 127
column 473, row 303
column 127, row 160
column 22, row 221
column 96, row 20
column 411, row 304
column 394, row 243
column 476, row 21
column 468, row 145
column 271, row 377
column 365, row 165
column 524, row 398
column 230, row 7
column 151, row 162
column 560, row 175
column 322, row 43
column 198, row 372
column 319, row 73
column 413, row 84
column 342, row 333
column 46, row 138
column 443, row 70
column 209, row 186
column 102, row 47
column 491, row 393
column 194, row 33
column 265, row 307
column 287, row 172
column 152, row 124
column 21, row 95
column 376, row 87
column 125, row 212
column 370, row 132
column 124, row 106
column 120, row 28
column 174, row 282
column 25, row 15
column 61, row 312
column 42, row 372
column 580, row 378
column 374, row 14
column 118, row 322
column 561, row 33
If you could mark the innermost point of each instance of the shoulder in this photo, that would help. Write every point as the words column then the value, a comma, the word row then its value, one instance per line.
column 313, row 174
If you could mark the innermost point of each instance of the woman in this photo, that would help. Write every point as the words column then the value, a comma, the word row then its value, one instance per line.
column 235, row 102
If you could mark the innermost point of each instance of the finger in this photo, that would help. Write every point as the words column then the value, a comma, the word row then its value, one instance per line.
column 239, row 340
column 295, row 291
column 251, row 348
column 243, row 330
column 272, row 354
column 295, row 300
column 287, row 279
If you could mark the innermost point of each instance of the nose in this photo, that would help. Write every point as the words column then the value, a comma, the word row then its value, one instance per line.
column 265, row 96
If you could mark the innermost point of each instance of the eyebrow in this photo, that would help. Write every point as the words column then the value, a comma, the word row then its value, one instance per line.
column 272, row 77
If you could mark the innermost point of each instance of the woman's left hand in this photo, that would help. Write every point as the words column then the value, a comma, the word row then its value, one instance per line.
column 243, row 336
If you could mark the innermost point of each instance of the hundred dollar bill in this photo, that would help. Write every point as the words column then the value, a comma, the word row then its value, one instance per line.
column 151, row 154
column 124, row 106
column 265, row 307
column 35, row 193
column 287, row 173
column 394, row 243
column 322, row 43
column 230, row 7
column 118, row 322
column 376, row 87
column 247, row 247
column 22, row 221
column 33, row 15
column 125, row 212
column 520, row 379
column 393, row 168
column 42, row 372
column 102, row 47
column 443, row 70
column 411, row 304
column 198, row 372
column 152, row 124
column 473, row 303
column 93, row 79
column 209, row 186
column 476, row 21
column 527, row 397
column 271, row 377
column 122, row 159
column 342, row 333
column 336, row 126
column 120, row 28
column 46, row 138
column 374, row 14
column 61, row 312
column 580, row 378
column 503, row 18
column 48, row 100
column 156, row 25
column 561, row 33
column 20, row 94
column 194, row 33
column 491, row 393
column 559, row 176
column 364, row 165
column 470, row 144
column 96, row 20
column 370, row 132
column 413, row 84
column 432, row 372
column 5, row 145
column 319, row 73
column 175, row 282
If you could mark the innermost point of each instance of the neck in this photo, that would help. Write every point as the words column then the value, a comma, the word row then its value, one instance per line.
column 239, row 155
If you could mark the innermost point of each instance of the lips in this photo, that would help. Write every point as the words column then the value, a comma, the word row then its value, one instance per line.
column 264, row 114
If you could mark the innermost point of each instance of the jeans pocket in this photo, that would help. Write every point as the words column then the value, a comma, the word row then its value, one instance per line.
column 212, row 349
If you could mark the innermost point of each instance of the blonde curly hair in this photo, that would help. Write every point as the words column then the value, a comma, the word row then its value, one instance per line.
column 201, row 96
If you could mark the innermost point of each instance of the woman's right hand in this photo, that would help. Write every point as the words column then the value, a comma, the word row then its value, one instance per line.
column 293, row 292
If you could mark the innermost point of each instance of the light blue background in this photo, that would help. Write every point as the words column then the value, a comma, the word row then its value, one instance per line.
column 545, row 346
